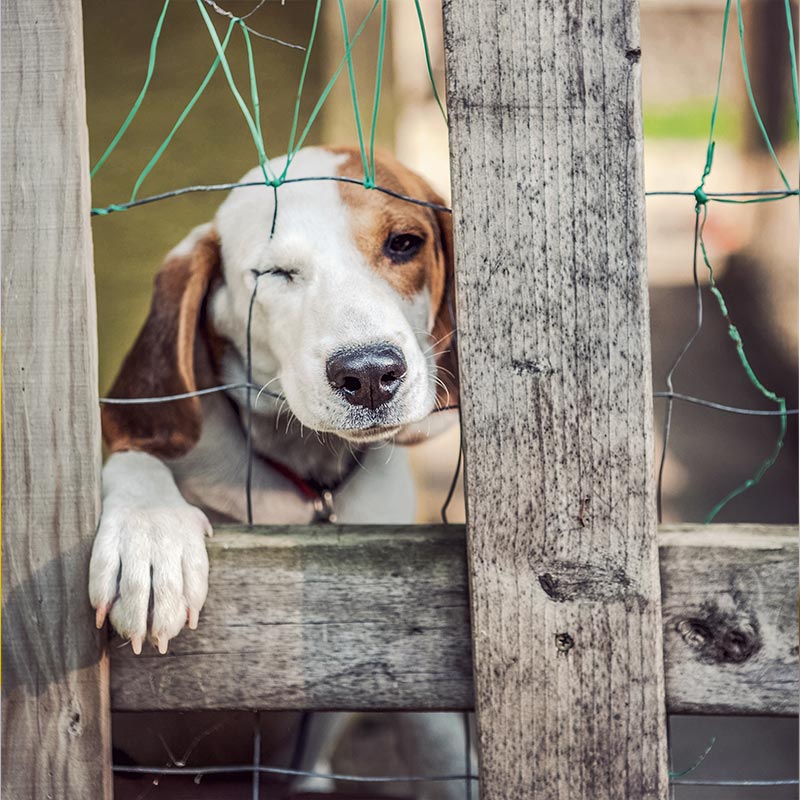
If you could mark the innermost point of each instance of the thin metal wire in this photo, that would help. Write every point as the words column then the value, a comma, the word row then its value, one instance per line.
column 777, row 193
column 299, row 773
column 222, row 187
column 168, row 398
column 102, row 211
column 670, row 389
column 468, row 777
column 454, row 482
column 735, row 336
column 710, row 782
column 701, row 758
column 752, row 412
column 221, row 11
column 249, row 445
column 122, row 401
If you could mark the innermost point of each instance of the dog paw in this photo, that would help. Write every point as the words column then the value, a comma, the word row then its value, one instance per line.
column 149, row 570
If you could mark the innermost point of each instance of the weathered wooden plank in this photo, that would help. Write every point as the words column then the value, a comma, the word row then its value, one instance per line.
column 56, row 724
column 729, row 604
column 548, row 199
column 320, row 618
column 379, row 619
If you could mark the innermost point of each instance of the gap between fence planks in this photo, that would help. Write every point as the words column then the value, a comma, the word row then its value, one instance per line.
column 378, row 618
column 56, row 722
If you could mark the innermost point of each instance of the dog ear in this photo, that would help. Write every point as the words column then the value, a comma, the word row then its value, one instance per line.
column 444, row 327
column 168, row 357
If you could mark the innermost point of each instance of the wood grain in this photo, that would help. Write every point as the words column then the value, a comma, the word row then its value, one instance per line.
column 378, row 618
column 317, row 618
column 56, row 723
column 548, row 198
column 729, row 603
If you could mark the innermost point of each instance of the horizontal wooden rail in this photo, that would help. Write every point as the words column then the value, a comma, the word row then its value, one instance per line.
column 378, row 618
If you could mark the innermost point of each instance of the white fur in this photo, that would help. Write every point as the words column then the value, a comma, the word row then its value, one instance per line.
column 149, row 537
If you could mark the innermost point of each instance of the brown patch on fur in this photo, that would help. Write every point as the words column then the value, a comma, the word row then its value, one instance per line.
column 445, row 325
column 168, row 358
column 375, row 215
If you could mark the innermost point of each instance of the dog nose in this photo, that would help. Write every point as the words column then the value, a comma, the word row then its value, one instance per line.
column 367, row 376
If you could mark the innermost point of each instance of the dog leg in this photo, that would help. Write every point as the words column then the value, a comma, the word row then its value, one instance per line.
column 150, row 541
column 435, row 744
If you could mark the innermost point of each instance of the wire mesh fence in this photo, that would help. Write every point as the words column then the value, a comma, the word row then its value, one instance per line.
column 250, row 105
column 701, row 196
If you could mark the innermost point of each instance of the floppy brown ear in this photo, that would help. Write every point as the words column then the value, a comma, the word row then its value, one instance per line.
column 444, row 326
column 165, row 360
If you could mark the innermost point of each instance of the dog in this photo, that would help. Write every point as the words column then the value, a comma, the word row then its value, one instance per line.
column 337, row 303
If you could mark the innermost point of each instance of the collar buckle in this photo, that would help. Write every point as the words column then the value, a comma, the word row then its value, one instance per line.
column 323, row 507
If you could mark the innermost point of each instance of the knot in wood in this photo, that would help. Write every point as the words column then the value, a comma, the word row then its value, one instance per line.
column 720, row 637
column 694, row 632
column 566, row 581
column 737, row 646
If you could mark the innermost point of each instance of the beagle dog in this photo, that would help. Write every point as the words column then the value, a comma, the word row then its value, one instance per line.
column 336, row 305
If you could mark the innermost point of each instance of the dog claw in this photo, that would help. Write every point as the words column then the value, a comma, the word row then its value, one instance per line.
column 163, row 643
column 136, row 644
column 193, row 618
column 100, row 615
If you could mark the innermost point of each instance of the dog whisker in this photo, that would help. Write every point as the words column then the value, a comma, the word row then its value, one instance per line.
column 441, row 383
column 264, row 388
column 448, row 335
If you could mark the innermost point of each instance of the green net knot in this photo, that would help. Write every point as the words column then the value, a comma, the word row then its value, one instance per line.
column 104, row 212
column 369, row 182
column 700, row 197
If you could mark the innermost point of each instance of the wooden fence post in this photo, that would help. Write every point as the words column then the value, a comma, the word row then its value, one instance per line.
column 56, row 724
column 546, row 150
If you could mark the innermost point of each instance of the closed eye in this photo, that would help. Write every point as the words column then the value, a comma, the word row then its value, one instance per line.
column 288, row 274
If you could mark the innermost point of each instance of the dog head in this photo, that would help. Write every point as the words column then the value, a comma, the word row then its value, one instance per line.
column 346, row 294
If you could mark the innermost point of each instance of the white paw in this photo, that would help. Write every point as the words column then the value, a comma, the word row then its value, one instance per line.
column 149, row 568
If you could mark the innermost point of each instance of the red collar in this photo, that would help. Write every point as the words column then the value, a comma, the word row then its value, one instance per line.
column 321, row 497
column 300, row 483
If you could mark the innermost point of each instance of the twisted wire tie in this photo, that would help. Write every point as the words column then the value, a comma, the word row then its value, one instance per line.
column 700, row 197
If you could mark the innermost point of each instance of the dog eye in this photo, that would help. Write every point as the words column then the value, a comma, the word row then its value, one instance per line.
column 288, row 274
column 401, row 247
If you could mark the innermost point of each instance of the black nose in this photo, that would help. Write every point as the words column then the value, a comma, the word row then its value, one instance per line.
column 367, row 376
